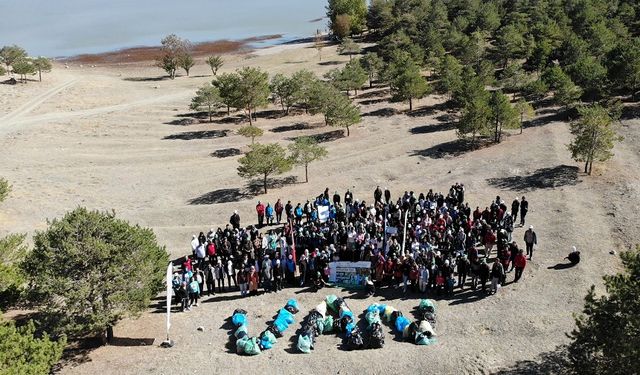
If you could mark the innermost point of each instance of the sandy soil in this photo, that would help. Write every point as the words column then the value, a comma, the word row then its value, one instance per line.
column 104, row 138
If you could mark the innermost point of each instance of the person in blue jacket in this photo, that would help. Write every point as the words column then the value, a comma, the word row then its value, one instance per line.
column 269, row 214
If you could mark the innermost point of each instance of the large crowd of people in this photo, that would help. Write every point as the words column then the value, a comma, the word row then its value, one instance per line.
column 427, row 243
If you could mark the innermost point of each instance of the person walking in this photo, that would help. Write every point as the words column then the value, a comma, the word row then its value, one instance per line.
column 515, row 207
column 521, row 263
column 524, row 208
column 530, row 239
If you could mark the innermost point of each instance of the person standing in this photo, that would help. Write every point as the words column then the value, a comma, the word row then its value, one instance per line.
column 524, row 208
column 260, row 211
column 483, row 273
column 241, row 279
column 530, row 239
column 211, row 277
column 279, row 208
column 265, row 270
column 497, row 274
column 515, row 207
column 521, row 263
column 387, row 196
column 268, row 211
column 235, row 220
column 377, row 194
column 194, row 292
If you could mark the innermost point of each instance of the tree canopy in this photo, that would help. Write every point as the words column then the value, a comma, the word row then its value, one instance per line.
column 306, row 150
column 607, row 334
column 42, row 64
column 253, row 89
column 406, row 80
column 21, row 352
column 215, row 63
column 594, row 136
column 250, row 131
column 89, row 269
column 174, row 54
column 354, row 11
column 264, row 160
column 207, row 97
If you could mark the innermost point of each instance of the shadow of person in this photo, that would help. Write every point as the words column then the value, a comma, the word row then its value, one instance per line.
column 561, row 266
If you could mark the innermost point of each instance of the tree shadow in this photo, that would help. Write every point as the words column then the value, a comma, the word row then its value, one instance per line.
column 382, row 112
column 288, row 128
column 183, row 122
column 325, row 137
column 271, row 114
column 145, row 79
column 226, row 152
column 373, row 101
column 453, row 148
column 554, row 362
column 330, row 63
column 553, row 116
column 431, row 109
column 130, row 341
column 221, row 196
column 561, row 266
column 630, row 112
column 428, row 129
column 254, row 188
column 543, row 178
column 234, row 120
column 203, row 134
column 373, row 94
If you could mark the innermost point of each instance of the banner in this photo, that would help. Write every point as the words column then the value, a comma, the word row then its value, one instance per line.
column 169, row 295
column 349, row 274
column 323, row 213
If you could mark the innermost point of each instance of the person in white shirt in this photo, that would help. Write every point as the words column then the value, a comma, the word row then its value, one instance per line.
column 194, row 244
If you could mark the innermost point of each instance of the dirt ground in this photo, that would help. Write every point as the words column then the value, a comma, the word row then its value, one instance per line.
column 114, row 137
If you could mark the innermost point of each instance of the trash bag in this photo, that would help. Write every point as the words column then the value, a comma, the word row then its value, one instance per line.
column 401, row 323
column 241, row 332
column 267, row 339
column 322, row 309
column 354, row 339
column 424, row 334
column 330, row 299
column 292, row 306
column 248, row 346
column 286, row 316
column 394, row 316
column 427, row 305
column 375, row 336
column 388, row 310
column 239, row 319
column 328, row 324
column 304, row 344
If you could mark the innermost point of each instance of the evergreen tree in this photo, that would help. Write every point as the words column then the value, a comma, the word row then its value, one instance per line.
column 264, row 161
column 306, row 150
column 595, row 136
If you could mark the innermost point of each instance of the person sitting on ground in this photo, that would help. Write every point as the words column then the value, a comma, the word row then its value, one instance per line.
column 574, row 256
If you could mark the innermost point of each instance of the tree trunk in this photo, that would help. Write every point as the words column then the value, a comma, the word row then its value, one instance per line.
column 590, row 167
column 586, row 166
column 410, row 104
column 250, row 118
column 347, row 131
column 521, row 121
column 109, row 334
column 306, row 173
column 370, row 81
column 252, row 138
column 210, row 118
column 265, row 183
column 40, row 74
column 228, row 110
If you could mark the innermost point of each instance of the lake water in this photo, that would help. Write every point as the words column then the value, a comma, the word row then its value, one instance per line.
column 69, row 27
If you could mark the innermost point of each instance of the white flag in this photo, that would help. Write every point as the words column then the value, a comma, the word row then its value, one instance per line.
column 169, row 294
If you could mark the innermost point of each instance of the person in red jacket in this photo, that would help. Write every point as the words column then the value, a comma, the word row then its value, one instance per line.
column 279, row 208
column 489, row 241
column 260, row 210
column 520, row 263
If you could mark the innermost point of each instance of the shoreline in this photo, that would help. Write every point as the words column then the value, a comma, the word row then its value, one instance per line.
column 140, row 54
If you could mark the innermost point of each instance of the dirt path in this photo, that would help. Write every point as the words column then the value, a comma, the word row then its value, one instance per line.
column 10, row 118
